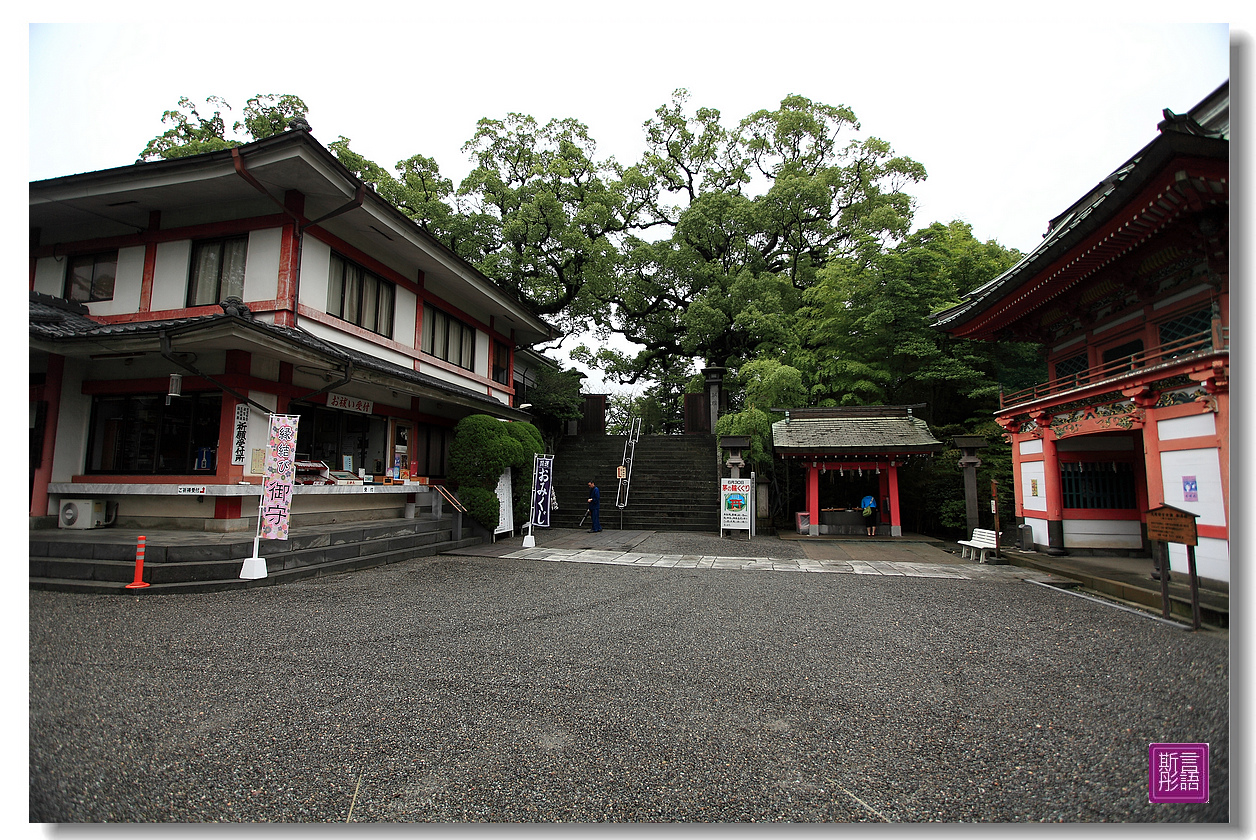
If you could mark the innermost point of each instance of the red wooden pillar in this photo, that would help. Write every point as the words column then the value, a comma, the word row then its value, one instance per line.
column 896, row 517
column 813, row 498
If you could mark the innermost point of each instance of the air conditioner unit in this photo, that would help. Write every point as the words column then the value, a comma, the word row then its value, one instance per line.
column 85, row 513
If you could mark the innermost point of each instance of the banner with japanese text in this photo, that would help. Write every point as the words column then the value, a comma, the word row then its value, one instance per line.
column 240, row 435
column 278, row 474
column 542, row 487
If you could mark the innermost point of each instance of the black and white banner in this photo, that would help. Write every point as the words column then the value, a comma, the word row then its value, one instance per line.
column 542, row 488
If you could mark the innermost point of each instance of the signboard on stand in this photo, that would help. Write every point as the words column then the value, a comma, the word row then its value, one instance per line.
column 735, row 508
column 506, row 509
column 1168, row 524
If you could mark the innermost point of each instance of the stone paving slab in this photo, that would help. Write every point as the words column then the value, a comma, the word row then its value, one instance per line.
column 892, row 568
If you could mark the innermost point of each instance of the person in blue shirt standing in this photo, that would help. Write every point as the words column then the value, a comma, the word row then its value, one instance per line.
column 869, row 505
column 595, row 506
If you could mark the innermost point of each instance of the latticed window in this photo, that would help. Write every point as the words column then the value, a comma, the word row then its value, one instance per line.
column 1174, row 334
column 1068, row 369
column 1098, row 485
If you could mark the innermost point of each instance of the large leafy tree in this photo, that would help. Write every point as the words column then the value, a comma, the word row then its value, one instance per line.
column 866, row 333
column 192, row 134
column 754, row 213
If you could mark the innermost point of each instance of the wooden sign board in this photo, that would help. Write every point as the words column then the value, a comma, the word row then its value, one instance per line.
column 1169, row 524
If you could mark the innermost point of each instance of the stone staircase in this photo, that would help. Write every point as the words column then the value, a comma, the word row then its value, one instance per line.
column 675, row 482
column 103, row 561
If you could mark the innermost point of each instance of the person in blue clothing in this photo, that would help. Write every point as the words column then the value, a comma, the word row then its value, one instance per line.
column 869, row 505
column 595, row 507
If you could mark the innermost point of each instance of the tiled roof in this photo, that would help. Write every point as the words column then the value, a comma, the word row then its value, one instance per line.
column 53, row 318
column 1180, row 135
column 839, row 435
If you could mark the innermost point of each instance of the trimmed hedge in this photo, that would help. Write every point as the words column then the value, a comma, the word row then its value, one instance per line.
column 482, row 449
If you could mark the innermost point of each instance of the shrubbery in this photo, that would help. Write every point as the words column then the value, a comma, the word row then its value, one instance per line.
column 482, row 449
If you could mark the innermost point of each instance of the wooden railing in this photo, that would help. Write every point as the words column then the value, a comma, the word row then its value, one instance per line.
column 1214, row 340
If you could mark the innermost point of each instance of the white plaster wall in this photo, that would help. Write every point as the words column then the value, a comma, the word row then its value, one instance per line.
column 315, row 268
column 405, row 317
column 454, row 379
column 72, row 426
column 1031, row 447
column 1205, row 466
column 1039, row 527
column 482, row 350
column 1193, row 425
column 170, row 275
column 1030, row 471
column 50, row 276
column 50, row 280
column 126, row 285
column 1212, row 559
column 259, row 427
column 1102, row 533
column 261, row 265
column 363, row 345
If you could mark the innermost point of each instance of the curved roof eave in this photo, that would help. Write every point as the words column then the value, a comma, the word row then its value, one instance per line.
column 1083, row 218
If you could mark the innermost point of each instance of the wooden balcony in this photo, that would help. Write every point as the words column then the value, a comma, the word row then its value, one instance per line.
column 1199, row 345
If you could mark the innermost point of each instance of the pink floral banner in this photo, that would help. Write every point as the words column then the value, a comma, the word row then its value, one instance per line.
column 278, row 476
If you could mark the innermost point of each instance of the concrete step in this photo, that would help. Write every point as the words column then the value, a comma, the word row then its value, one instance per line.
column 220, row 576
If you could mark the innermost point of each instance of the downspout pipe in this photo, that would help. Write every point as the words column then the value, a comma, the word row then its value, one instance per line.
column 300, row 222
column 167, row 353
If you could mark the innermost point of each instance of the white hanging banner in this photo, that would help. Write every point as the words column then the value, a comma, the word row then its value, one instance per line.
column 279, row 474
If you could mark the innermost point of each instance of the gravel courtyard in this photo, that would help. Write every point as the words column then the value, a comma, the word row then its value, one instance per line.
column 459, row 689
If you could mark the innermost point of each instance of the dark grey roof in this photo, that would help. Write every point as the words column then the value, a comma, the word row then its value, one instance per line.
column 863, row 433
column 1180, row 135
column 56, row 319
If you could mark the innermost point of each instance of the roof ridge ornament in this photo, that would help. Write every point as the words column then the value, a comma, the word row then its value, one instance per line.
column 236, row 307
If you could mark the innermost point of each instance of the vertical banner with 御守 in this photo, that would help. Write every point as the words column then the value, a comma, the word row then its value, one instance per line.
column 542, row 487
column 278, row 475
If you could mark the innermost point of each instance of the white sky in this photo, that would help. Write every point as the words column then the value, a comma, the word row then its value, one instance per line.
column 1014, row 118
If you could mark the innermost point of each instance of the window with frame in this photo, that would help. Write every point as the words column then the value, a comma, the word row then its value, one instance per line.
column 1069, row 370
column 138, row 434
column 1098, row 485
column 1178, row 335
column 360, row 297
column 445, row 337
column 501, row 363
column 90, row 277
column 1123, row 357
column 217, row 270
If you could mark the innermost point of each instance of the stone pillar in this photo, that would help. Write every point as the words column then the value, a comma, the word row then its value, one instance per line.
column 968, row 461
column 715, row 392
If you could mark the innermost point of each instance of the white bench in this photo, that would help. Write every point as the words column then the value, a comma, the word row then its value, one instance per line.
column 979, row 546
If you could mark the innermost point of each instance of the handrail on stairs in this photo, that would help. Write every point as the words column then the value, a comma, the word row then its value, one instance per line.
column 449, row 497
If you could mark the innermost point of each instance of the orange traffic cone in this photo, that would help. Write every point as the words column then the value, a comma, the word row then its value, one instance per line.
column 138, row 583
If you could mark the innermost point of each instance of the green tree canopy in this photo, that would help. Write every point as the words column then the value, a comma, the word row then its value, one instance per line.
column 191, row 134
